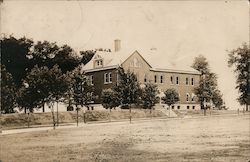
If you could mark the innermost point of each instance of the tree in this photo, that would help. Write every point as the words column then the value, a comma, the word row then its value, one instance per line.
column 8, row 95
column 217, row 99
column 44, row 86
column 207, row 89
column 128, row 88
column 149, row 96
column 171, row 97
column 14, row 55
column 87, row 56
column 110, row 99
column 239, row 59
column 81, row 90
column 49, row 54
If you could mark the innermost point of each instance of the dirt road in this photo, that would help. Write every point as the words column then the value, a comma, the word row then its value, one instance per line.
column 221, row 138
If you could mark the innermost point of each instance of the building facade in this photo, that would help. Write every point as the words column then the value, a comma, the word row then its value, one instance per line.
column 102, row 73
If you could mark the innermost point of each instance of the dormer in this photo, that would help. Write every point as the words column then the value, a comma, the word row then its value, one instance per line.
column 97, row 61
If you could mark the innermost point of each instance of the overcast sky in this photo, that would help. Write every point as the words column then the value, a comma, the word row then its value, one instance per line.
column 180, row 30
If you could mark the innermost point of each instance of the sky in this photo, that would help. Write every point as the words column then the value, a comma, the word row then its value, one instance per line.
column 179, row 30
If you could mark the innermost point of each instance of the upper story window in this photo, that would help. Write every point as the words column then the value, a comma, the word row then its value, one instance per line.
column 135, row 63
column 98, row 63
column 172, row 80
column 161, row 79
column 192, row 81
column 187, row 81
column 177, row 80
column 155, row 78
column 107, row 78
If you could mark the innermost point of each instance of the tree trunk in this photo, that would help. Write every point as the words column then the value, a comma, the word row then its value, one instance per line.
column 57, row 116
column 130, row 116
column 109, row 114
column 151, row 113
column 43, row 108
column 169, row 111
column 28, row 119
column 247, row 107
column 53, row 115
column 77, row 116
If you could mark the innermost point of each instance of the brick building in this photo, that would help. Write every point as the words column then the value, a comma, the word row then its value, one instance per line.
column 102, row 72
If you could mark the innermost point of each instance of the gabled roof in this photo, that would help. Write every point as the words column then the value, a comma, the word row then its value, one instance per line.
column 151, row 57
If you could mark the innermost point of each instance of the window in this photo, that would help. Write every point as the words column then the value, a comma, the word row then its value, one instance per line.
column 145, row 78
column 161, row 79
column 107, row 78
column 193, row 107
column 178, row 107
column 155, row 78
column 98, row 63
column 192, row 81
column 193, row 97
column 136, row 63
column 91, row 78
column 187, row 81
column 177, row 80
column 172, row 107
column 187, row 107
column 187, row 97
column 110, row 77
column 172, row 80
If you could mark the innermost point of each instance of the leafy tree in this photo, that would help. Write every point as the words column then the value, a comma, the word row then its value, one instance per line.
column 44, row 86
column 87, row 56
column 217, row 99
column 7, row 91
column 15, row 57
column 49, row 54
column 149, row 96
column 207, row 89
column 81, row 90
column 128, row 88
column 110, row 99
column 239, row 59
column 171, row 97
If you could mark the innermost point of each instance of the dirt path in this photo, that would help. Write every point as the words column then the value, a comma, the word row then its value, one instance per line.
column 201, row 139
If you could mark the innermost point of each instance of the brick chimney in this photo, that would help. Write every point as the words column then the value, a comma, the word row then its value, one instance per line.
column 117, row 45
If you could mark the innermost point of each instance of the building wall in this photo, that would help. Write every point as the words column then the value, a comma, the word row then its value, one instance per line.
column 98, row 81
column 136, row 64
column 182, row 88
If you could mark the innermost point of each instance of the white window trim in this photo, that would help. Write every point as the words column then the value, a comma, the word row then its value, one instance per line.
column 110, row 77
column 107, row 78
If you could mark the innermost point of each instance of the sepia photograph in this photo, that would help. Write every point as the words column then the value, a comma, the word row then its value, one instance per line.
column 125, row 81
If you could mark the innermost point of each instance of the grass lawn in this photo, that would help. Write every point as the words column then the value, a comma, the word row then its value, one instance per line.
column 215, row 138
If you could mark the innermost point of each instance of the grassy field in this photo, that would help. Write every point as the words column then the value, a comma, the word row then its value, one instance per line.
column 20, row 120
column 215, row 138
